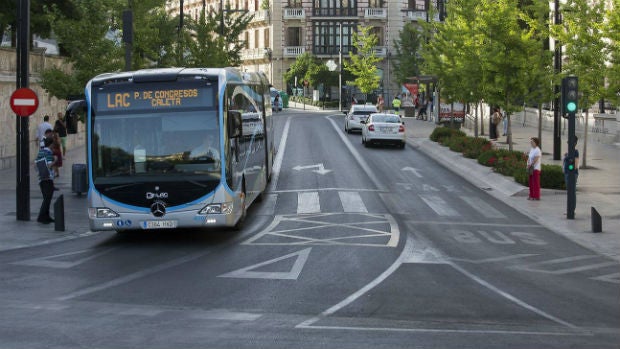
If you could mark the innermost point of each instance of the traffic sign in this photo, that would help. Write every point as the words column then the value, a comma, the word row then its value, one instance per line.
column 24, row 102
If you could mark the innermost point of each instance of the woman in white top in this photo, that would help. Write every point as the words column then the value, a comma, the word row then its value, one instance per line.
column 533, row 169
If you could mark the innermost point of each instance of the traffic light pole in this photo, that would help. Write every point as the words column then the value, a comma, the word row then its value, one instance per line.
column 557, row 119
column 570, row 99
column 22, row 127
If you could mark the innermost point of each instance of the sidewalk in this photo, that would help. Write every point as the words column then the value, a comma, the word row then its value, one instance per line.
column 15, row 234
column 599, row 185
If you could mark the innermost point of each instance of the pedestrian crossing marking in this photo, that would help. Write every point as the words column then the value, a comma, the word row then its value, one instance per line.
column 482, row 207
column 352, row 202
column 330, row 229
column 308, row 203
column 438, row 205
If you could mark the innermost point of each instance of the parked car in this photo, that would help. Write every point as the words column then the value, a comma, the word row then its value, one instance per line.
column 273, row 92
column 357, row 113
column 383, row 128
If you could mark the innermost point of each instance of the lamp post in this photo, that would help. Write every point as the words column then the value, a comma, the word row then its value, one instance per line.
column 557, row 120
column 340, row 71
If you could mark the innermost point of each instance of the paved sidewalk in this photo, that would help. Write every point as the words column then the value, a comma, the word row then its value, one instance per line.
column 598, row 186
column 16, row 234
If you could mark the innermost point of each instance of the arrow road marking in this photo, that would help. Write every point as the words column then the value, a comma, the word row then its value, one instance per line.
column 293, row 274
column 320, row 168
column 412, row 170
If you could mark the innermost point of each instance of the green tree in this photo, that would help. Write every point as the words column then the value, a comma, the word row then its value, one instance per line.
column 299, row 69
column 363, row 64
column 612, row 32
column 407, row 58
column 205, row 49
column 582, row 34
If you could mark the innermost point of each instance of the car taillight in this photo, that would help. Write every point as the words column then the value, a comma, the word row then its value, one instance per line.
column 401, row 128
column 371, row 128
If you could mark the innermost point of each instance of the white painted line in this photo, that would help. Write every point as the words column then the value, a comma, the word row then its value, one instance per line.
column 613, row 278
column 269, row 206
column 513, row 298
column 225, row 315
column 277, row 163
column 533, row 267
column 439, row 206
column 133, row 276
column 293, row 274
column 353, row 297
column 308, row 203
column 494, row 260
column 360, row 160
column 361, row 190
column 24, row 102
column 482, row 224
column 431, row 330
column 482, row 207
column 49, row 262
column 352, row 202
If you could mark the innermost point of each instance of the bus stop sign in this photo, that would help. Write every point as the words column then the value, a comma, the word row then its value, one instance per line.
column 24, row 102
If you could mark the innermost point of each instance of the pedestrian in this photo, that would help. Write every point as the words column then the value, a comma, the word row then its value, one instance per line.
column 565, row 164
column 57, row 151
column 496, row 117
column 533, row 169
column 61, row 129
column 47, row 134
column 276, row 103
column 44, row 126
column 505, row 123
column 396, row 104
column 45, row 161
column 380, row 103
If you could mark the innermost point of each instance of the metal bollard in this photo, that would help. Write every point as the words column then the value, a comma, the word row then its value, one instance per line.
column 597, row 221
column 59, row 214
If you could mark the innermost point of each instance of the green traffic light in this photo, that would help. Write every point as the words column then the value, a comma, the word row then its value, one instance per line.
column 571, row 167
column 571, row 106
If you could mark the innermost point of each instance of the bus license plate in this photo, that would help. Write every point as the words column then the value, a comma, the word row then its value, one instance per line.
column 159, row 224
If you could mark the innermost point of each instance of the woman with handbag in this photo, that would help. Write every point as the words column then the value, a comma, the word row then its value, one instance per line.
column 533, row 169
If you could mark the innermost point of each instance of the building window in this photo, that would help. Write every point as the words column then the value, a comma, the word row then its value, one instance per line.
column 294, row 4
column 378, row 32
column 266, row 37
column 256, row 39
column 418, row 5
column 375, row 3
column 293, row 36
column 334, row 8
column 326, row 37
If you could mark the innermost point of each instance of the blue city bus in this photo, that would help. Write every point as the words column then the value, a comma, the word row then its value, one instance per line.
column 177, row 147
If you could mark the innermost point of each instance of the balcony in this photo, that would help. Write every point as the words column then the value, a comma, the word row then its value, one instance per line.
column 294, row 13
column 420, row 16
column 293, row 51
column 334, row 12
column 375, row 13
column 259, row 16
column 252, row 54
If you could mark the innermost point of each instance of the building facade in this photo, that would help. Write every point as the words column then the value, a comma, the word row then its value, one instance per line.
column 281, row 30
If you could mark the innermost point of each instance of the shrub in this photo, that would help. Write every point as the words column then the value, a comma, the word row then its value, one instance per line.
column 439, row 133
column 456, row 143
column 521, row 176
column 476, row 146
column 551, row 177
column 488, row 158
column 509, row 162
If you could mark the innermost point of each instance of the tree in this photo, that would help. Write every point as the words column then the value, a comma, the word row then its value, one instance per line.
column 582, row 34
column 612, row 32
column 407, row 58
column 363, row 64
column 205, row 49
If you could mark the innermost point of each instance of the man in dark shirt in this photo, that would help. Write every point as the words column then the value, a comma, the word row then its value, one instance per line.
column 45, row 160
column 61, row 129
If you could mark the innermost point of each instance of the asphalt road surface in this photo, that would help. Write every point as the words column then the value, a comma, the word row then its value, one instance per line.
column 352, row 247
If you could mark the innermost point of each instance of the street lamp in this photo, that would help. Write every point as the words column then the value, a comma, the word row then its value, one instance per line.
column 340, row 71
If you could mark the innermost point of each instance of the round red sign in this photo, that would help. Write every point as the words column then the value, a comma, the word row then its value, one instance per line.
column 24, row 102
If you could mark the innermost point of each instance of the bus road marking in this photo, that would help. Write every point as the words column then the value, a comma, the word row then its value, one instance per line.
column 352, row 202
column 277, row 164
column 292, row 274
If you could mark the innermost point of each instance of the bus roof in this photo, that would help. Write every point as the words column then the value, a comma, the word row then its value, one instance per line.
column 175, row 74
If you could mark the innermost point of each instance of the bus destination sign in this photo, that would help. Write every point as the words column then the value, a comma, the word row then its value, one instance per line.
column 154, row 98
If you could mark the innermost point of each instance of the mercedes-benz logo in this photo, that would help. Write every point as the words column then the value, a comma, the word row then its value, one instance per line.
column 158, row 208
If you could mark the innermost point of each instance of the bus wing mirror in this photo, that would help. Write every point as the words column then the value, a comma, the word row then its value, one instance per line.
column 72, row 115
column 235, row 124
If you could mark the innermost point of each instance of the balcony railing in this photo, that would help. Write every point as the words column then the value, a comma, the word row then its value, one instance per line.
column 294, row 13
column 254, row 54
column 334, row 12
column 293, row 51
column 375, row 12
column 259, row 16
column 420, row 16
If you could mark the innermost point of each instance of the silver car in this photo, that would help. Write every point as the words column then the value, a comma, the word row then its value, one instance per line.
column 385, row 129
column 357, row 113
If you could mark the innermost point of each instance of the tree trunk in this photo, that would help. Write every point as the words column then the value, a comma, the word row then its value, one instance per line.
column 509, row 132
column 540, row 118
column 476, row 120
column 582, row 160
column 481, row 121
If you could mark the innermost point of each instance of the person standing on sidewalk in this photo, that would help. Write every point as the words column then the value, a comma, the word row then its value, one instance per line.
column 533, row 169
column 42, row 128
column 45, row 161
column 61, row 129
column 495, row 120
column 505, row 123
column 396, row 104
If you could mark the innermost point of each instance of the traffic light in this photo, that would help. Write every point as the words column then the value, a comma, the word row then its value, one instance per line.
column 570, row 96
column 570, row 164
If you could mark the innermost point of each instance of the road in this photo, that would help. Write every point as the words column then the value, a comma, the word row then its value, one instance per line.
column 351, row 247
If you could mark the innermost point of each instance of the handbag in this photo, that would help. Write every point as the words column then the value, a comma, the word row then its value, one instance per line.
column 530, row 170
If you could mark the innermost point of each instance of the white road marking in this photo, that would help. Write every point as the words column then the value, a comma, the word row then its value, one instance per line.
column 482, row 224
column 439, row 206
column 223, row 314
column 277, row 163
column 613, row 278
column 361, row 190
column 293, row 274
column 482, row 207
column 493, row 260
column 352, row 202
column 320, row 168
column 535, row 267
column 431, row 330
column 412, row 170
column 308, row 203
column 269, row 206
column 49, row 261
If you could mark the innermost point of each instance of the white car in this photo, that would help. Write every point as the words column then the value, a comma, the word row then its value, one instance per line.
column 357, row 113
column 273, row 92
column 385, row 129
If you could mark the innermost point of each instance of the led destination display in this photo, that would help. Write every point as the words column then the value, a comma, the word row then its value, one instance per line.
column 154, row 98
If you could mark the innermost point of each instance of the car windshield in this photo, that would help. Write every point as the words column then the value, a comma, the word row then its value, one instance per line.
column 363, row 112
column 390, row 119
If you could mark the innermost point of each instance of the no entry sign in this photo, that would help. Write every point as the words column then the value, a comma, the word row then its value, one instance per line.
column 24, row 102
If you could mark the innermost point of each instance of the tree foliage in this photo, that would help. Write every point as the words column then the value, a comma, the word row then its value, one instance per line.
column 407, row 58
column 363, row 64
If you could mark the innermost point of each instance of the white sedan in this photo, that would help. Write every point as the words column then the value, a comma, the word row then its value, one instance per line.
column 383, row 128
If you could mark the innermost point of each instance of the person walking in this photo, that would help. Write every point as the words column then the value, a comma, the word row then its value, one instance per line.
column 42, row 128
column 533, row 169
column 505, row 123
column 61, row 129
column 44, row 163
column 496, row 117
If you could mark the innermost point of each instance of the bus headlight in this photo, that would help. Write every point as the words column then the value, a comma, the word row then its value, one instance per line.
column 101, row 212
column 223, row 208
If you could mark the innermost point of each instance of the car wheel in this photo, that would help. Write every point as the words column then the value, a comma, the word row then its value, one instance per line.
column 402, row 145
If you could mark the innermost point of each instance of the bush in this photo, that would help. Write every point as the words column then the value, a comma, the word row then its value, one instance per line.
column 509, row 162
column 551, row 177
column 476, row 146
column 439, row 133
column 456, row 143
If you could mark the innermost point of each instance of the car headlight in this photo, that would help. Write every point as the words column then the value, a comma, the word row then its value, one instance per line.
column 101, row 212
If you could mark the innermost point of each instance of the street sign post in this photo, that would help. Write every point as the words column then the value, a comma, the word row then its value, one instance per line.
column 24, row 102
